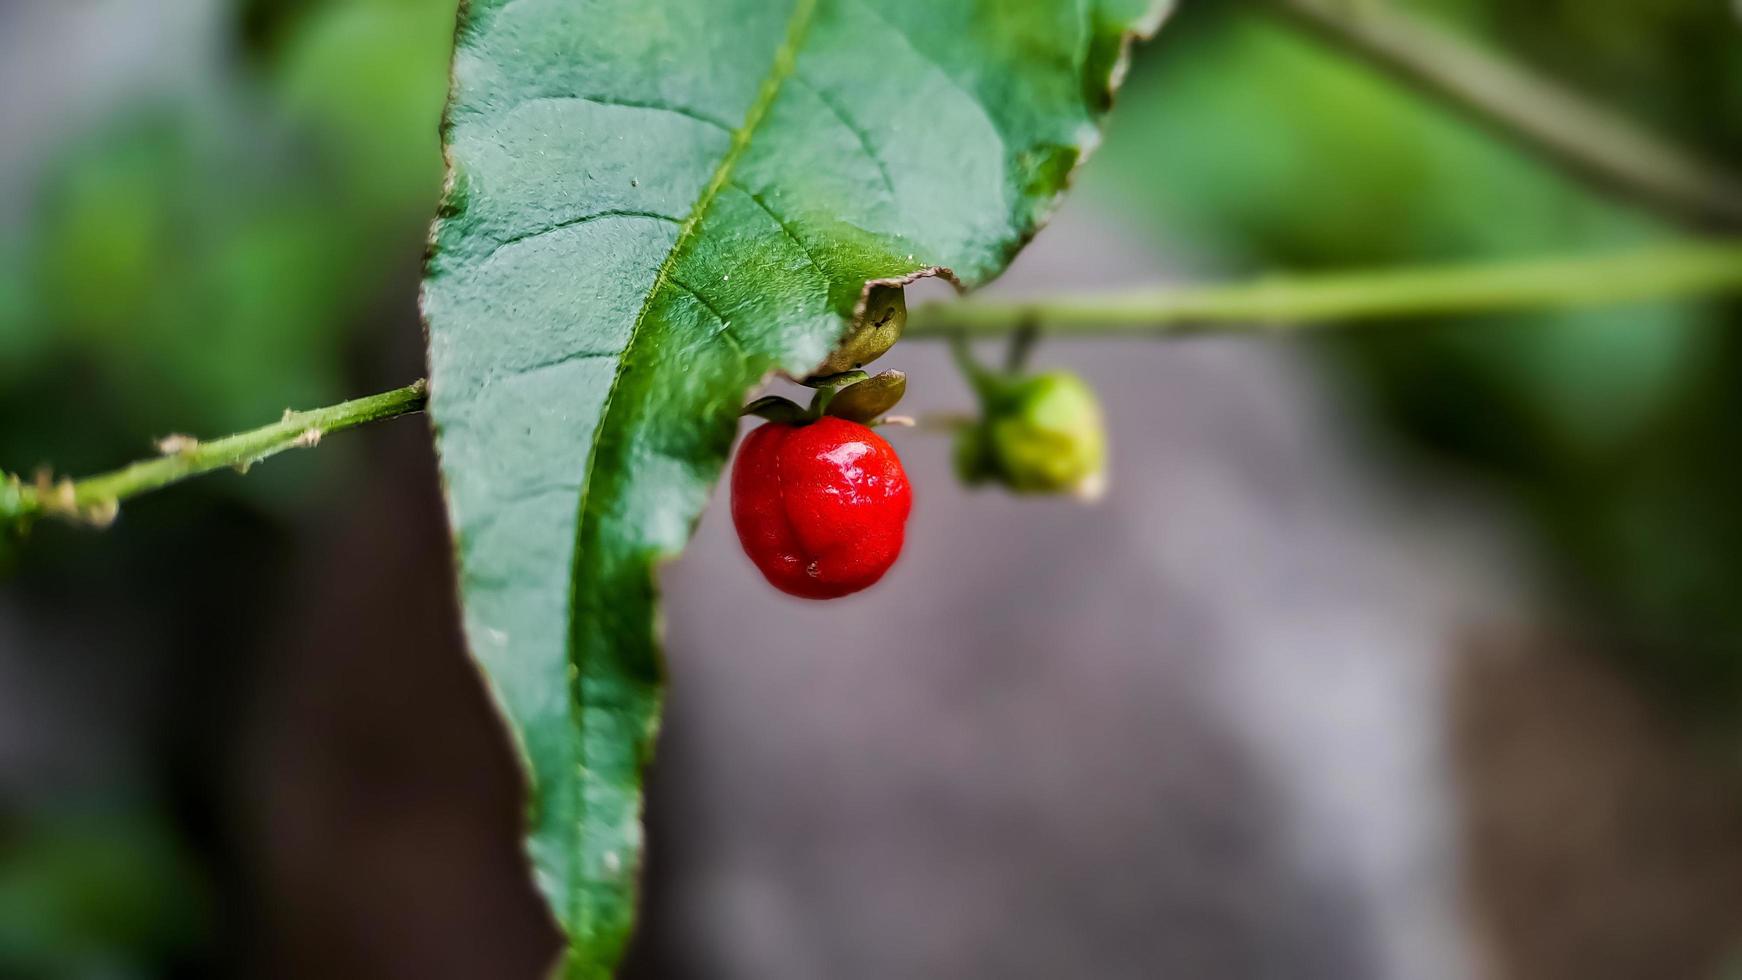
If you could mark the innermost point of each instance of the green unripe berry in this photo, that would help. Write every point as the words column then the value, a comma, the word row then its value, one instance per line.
column 1041, row 434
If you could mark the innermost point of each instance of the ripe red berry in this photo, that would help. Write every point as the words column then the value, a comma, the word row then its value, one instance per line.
column 821, row 507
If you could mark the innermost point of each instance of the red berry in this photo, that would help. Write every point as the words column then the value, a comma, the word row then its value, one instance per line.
column 820, row 507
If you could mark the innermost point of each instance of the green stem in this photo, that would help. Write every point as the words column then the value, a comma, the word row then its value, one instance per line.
column 1584, row 138
column 95, row 500
column 1685, row 270
column 1283, row 303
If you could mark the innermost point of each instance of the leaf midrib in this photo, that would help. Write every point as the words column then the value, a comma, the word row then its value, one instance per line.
column 785, row 59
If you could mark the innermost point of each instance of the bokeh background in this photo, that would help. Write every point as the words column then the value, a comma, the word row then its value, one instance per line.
column 1413, row 651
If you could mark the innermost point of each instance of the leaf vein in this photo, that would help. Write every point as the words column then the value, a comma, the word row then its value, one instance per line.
column 725, row 331
column 920, row 53
column 612, row 100
column 785, row 58
column 858, row 132
column 544, row 365
column 570, row 223
column 802, row 247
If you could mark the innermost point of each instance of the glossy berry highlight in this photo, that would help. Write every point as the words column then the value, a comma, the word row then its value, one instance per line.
column 821, row 507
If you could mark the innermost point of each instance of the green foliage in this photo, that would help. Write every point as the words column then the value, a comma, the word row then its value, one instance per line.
column 1319, row 162
column 199, row 258
column 650, row 210
column 195, row 260
column 85, row 893
column 366, row 80
column 1611, row 426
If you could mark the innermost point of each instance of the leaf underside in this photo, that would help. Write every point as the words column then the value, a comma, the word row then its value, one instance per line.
column 651, row 206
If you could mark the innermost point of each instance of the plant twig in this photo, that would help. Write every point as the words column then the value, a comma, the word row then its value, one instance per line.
column 95, row 500
column 1581, row 136
column 1688, row 269
column 1283, row 303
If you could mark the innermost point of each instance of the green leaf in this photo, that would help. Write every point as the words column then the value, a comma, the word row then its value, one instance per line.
column 651, row 207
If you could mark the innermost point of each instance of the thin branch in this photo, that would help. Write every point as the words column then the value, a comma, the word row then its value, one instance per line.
column 95, row 500
column 1684, row 270
column 1584, row 138
column 1283, row 303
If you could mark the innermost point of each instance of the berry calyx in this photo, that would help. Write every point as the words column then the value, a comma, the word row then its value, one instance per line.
column 821, row 508
column 881, row 318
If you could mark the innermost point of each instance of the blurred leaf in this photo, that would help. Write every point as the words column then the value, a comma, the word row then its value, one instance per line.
column 88, row 894
column 1309, row 160
column 207, row 301
column 1611, row 427
column 196, row 263
column 196, row 260
column 651, row 210
column 369, row 77
column 21, row 333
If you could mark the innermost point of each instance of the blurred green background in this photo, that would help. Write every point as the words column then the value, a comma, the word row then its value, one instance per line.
column 1246, row 147
column 208, row 247
column 237, row 231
